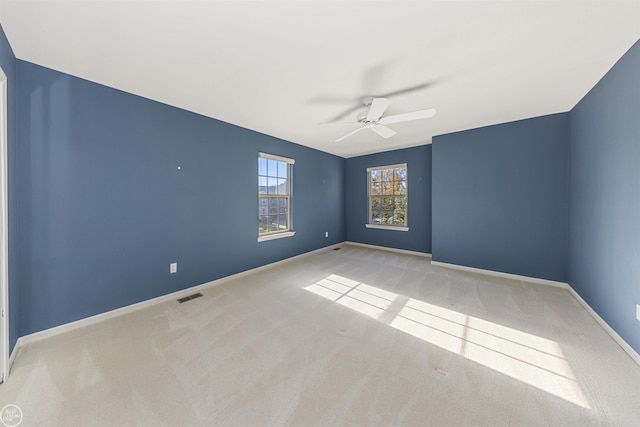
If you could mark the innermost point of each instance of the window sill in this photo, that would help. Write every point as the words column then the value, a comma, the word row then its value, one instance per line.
column 387, row 227
column 265, row 237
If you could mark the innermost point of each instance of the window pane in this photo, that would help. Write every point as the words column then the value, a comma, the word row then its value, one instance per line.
column 272, row 168
column 385, row 216
column 263, row 224
column 376, row 176
column 282, row 206
column 262, row 185
column 396, row 219
column 387, row 203
column 376, row 188
column 273, row 215
column 282, row 170
column 399, row 187
column 262, row 207
column 262, row 166
column 282, row 222
column 387, row 187
column 273, row 222
column 400, row 173
column 376, row 203
column 282, row 186
column 387, row 174
column 400, row 213
column 273, row 185
column 375, row 217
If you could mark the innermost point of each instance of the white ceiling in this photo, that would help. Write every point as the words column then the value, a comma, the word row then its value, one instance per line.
column 280, row 68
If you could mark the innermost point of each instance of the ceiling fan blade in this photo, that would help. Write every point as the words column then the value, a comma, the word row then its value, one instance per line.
column 353, row 132
column 383, row 131
column 377, row 108
column 406, row 90
column 415, row 115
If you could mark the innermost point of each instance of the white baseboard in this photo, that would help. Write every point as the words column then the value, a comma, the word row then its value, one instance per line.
column 617, row 338
column 12, row 357
column 57, row 330
column 501, row 274
column 385, row 248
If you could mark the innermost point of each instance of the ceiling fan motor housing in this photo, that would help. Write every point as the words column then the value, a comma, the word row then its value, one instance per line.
column 362, row 116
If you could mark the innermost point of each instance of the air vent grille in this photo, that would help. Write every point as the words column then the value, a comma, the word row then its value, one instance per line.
column 189, row 298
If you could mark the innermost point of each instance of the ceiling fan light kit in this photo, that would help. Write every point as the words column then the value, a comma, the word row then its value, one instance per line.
column 372, row 118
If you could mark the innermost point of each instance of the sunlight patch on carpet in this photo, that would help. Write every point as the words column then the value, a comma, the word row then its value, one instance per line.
column 534, row 360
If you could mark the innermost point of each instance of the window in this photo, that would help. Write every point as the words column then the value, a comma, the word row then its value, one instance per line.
column 388, row 197
column 274, row 197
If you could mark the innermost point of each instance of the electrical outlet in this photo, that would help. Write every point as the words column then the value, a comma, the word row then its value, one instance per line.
column 326, row 234
column 638, row 311
column 173, row 267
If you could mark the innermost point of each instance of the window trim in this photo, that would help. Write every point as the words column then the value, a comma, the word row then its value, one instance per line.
column 275, row 235
column 368, row 224
column 388, row 227
column 262, row 155
column 262, row 237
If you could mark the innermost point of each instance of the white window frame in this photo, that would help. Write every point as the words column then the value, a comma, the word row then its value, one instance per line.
column 369, row 224
column 271, row 235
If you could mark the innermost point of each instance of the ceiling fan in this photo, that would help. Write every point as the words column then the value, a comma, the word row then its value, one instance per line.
column 372, row 118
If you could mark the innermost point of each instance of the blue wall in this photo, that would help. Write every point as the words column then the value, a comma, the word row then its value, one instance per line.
column 500, row 197
column 8, row 64
column 604, row 244
column 104, row 208
column 418, row 238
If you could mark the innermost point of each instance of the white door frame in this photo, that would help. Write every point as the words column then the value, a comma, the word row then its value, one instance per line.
column 4, row 233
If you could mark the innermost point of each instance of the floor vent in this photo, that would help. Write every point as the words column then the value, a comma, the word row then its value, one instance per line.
column 336, row 249
column 189, row 298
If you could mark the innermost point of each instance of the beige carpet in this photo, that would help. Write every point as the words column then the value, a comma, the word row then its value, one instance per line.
column 350, row 337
